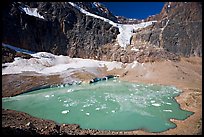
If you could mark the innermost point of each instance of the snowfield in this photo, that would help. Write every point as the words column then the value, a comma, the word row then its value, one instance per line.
column 47, row 63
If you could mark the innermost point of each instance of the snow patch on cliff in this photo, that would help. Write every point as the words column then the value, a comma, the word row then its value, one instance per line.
column 32, row 12
column 126, row 30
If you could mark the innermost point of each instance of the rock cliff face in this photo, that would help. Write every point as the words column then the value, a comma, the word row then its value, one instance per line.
column 64, row 29
column 178, row 30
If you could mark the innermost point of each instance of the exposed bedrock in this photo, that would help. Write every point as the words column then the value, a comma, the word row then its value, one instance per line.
column 178, row 30
column 65, row 30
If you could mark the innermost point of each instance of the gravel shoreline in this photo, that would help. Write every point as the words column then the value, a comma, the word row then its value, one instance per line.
column 19, row 123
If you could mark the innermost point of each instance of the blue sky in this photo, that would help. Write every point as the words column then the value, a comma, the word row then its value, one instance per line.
column 138, row 10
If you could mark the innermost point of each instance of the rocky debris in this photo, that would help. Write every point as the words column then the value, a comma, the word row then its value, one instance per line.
column 178, row 29
column 16, row 84
column 101, row 79
column 138, row 51
column 124, row 20
column 19, row 123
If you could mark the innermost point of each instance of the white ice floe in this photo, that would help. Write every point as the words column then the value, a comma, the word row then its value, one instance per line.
column 167, row 110
column 97, row 109
column 113, row 111
column 47, row 96
column 156, row 104
column 126, row 30
column 32, row 12
column 70, row 90
column 65, row 111
column 152, row 101
column 87, row 114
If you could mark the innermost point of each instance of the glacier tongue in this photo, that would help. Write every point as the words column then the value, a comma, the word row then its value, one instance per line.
column 126, row 30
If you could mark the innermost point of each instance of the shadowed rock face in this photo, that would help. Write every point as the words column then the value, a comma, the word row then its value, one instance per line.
column 178, row 30
column 65, row 30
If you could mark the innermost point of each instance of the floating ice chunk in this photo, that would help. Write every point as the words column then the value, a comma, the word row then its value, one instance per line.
column 152, row 101
column 65, row 111
column 66, row 105
column 113, row 111
column 52, row 95
column 87, row 114
column 47, row 96
column 69, row 90
column 87, row 105
column 168, row 103
column 97, row 108
column 73, row 104
column 167, row 110
column 81, row 110
column 103, row 106
column 156, row 104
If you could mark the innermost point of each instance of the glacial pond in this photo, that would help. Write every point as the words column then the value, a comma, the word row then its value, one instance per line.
column 106, row 105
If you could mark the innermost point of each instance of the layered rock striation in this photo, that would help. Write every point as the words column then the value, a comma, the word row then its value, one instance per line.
column 64, row 29
column 178, row 29
column 61, row 28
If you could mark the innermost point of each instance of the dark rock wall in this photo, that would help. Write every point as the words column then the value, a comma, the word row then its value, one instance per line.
column 178, row 30
column 65, row 30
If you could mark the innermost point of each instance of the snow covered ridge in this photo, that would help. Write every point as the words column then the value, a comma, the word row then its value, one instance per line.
column 47, row 63
column 126, row 30
column 32, row 12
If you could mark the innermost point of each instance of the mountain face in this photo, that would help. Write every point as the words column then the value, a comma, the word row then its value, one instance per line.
column 84, row 29
column 64, row 29
column 178, row 29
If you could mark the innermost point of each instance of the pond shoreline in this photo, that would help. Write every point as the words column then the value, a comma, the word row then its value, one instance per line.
column 190, row 99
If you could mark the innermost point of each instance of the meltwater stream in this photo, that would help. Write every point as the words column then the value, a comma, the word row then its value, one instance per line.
column 106, row 105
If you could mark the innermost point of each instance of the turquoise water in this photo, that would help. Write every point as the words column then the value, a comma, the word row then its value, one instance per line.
column 106, row 105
